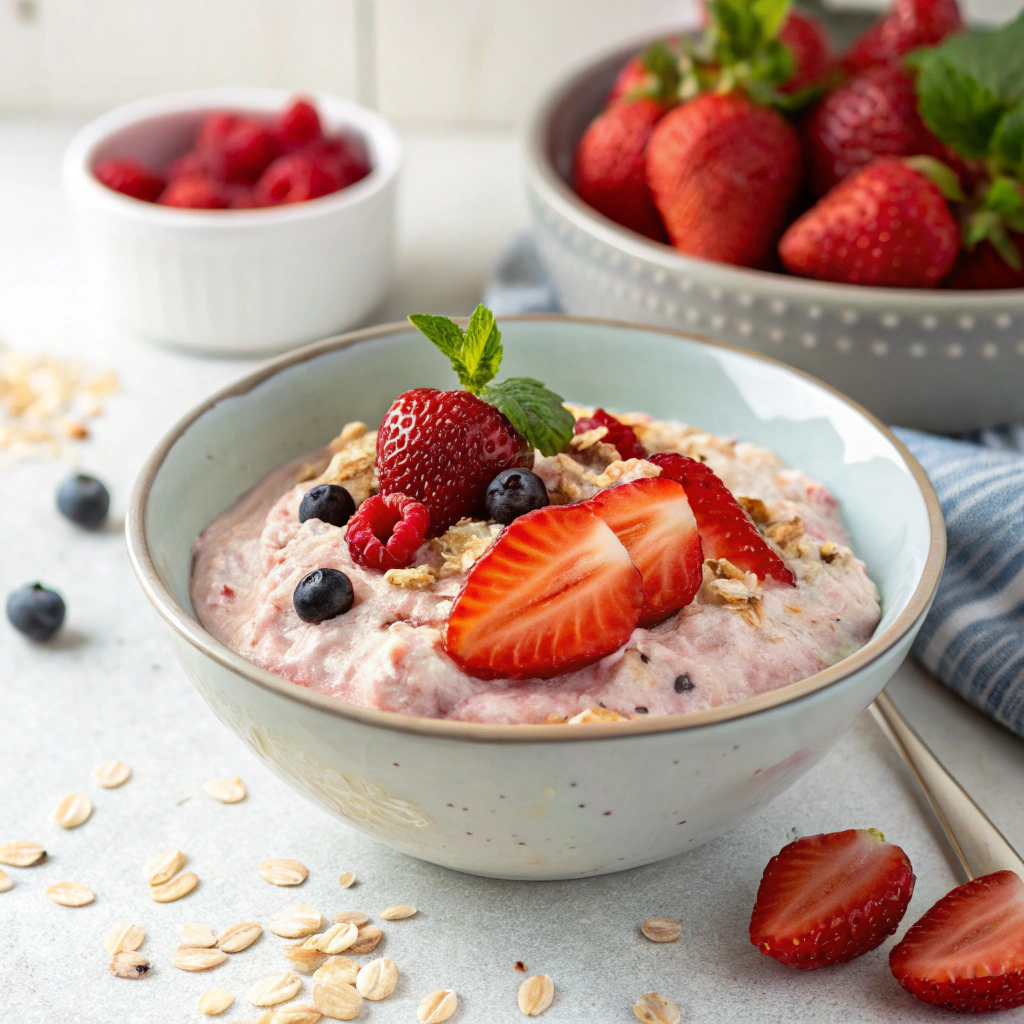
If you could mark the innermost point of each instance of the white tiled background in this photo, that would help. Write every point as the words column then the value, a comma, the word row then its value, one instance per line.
column 454, row 62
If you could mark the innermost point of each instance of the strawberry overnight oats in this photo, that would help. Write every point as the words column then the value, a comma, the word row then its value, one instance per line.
column 496, row 555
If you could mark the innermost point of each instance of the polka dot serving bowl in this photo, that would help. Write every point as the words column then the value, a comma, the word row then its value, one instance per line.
column 538, row 801
column 947, row 361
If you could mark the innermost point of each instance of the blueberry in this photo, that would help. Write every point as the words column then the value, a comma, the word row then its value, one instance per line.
column 329, row 503
column 513, row 493
column 35, row 611
column 322, row 594
column 83, row 500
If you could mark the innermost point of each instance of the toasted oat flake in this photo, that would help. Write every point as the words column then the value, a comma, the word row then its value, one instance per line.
column 346, row 880
column 340, row 968
column 368, row 939
column 196, row 935
column 111, row 774
column 227, row 791
column 377, row 980
column 596, row 714
column 337, row 938
column 398, row 913
column 163, row 867
column 282, row 871
column 661, row 929
column 124, row 937
column 128, row 964
column 296, row 1013
column 336, row 998
column 5, row 881
column 357, row 917
column 69, row 894
column 296, row 922
column 180, row 885
column 654, row 1008
column 278, row 988
column 436, row 1007
column 535, row 995
column 196, row 958
column 239, row 936
column 304, row 957
column 217, row 1000
column 21, row 853
column 418, row 577
column 72, row 811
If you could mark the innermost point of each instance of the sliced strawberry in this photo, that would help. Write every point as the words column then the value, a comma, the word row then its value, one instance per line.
column 726, row 531
column 557, row 591
column 967, row 952
column 653, row 520
column 829, row 898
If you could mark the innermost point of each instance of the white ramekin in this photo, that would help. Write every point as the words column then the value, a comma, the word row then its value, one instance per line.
column 232, row 281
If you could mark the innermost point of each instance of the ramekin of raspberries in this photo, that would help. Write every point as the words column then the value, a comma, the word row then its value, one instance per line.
column 245, row 161
column 236, row 220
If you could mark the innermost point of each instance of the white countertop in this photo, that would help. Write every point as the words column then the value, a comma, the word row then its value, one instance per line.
column 109, row 688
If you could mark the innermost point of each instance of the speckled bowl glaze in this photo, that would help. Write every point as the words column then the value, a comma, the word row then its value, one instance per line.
column 940, row 360
column 552, row 801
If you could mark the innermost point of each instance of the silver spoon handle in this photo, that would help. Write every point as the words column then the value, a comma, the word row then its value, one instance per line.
column 979, row 846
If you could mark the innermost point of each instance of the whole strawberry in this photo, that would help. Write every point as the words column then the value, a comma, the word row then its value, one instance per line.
column 724, row 173
column 985, row 269
column 443, row 448
column 609, row 170
column 887, row 225
column 872, row 115
column 907, row 25
column 808, row 46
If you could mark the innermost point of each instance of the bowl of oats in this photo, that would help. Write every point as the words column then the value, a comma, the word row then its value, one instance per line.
column 520, row 636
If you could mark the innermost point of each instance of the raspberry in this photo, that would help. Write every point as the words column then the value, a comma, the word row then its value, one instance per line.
column 297, row 126
column 195, row 193
column 130, row 178
column 293, row 179
column 619, row 435
column 188, row 166
column 386, row 531
column 342, row 158
column 236, row 149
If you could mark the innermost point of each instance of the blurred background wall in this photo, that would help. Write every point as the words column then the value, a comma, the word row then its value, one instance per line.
column 450, row 62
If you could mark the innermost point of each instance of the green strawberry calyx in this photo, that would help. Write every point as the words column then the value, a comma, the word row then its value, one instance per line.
column 535, row 412
column 970, row 93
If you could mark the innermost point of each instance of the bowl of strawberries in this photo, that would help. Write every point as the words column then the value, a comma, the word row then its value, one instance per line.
column 857, row 213
column 235, row 220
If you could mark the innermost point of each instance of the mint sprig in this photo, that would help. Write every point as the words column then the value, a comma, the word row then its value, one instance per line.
column 534, row 411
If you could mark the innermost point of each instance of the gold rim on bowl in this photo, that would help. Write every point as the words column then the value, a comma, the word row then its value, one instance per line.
column 176, row 616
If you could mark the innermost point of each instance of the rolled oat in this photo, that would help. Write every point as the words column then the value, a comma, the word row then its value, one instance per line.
column 399, row 913
column 661, row 929
column 163, row 867
column 128, row 964
column 282, row 871
column 21, row 853
column 436, row 1007
column 69, row 894
column 278, row 988
column 296, row 922
column 335, row 998
column 124, row 937
column 535, row 995
column 196, row 958
column 72, row 811
column 196, row 935
column 111, row 774
column 239, row 936
column 180, row 885
column 227, row 791
column 654, row 1008
column 215, row 1001
column 377, row 980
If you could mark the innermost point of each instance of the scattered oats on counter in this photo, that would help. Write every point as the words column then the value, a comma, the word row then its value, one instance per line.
column 5, row 881
column 112, row 774
column 197, row 935
column 128, row 964
column 195, row 958
column 536, row 994
column 72, row 811
column 661, row 929
column 69, row 894
column 296, row 922
column 336, row 998
column 399, row 913
column 340, row 968
column 278, row 988
column 346, row 880
column 377, row 980
column 180, row 885
column 227, row 791
column 162, row 867
column 336, row 939
column 124, row 937
column 654, row 1008
column 436, row 1007
column 296, row 1013
column 282, row 871
column 239, row 936
column 357, row 917
column 21, row 853
column 368, row 939
column 215, row 1001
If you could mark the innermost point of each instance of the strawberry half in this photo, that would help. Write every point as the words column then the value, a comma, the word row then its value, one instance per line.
column 829, row 898
column 726, row 531
column 967, row 952
column 557, row 591
column 654, row 521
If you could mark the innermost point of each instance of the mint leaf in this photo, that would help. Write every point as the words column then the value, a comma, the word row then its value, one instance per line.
column 957, row 107
column 481, row 350
column 445, row 334
column 534, row 412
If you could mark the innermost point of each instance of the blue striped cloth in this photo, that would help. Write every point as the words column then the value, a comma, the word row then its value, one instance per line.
column 973, row 640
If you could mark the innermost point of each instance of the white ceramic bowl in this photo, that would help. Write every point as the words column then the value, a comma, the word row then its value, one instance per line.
column 232, row 281
column 939, row 360
column 538, row 801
